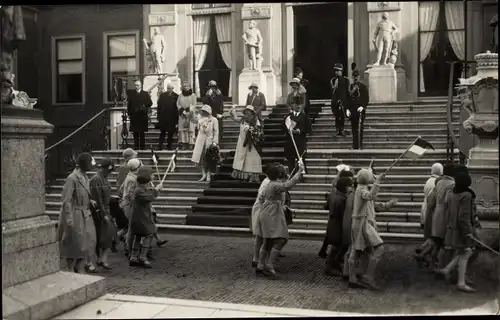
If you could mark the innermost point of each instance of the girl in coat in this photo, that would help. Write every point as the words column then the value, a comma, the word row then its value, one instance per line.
column 186, row 105
column 208, row 135
column 142, row 225
column 298, row 95
column 100, row 192
column 334, row 228
column 462, row 222
column 271, row 222
column 247, row 164
column 364, row 232
column 76, row 230
column 126, row 192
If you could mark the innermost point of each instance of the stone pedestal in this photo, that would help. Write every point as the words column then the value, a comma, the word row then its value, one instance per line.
column 33, row 285
column 245, row 79
column 270, row 86
column 402, row 92
column 382, row 83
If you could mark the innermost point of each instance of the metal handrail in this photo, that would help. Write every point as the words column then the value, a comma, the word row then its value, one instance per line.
column 97, row 115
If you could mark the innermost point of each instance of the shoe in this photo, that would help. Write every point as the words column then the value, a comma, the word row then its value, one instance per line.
column 126, row 253
column 145, row 264
column 323, row 254
column 103, row 265
column 331, row 272
column 150, row 257
column 370, row 284
column 271, row 274
column 113, row 247
column 90, row 269
column 203, row 178
column 134, row 262
column 466, row 289
column 345, row 278
column 254, row 264
column 356, row 285
column 160, row 243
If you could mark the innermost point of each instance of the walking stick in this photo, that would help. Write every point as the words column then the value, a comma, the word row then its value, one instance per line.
column 359, row 129
column 484, row 245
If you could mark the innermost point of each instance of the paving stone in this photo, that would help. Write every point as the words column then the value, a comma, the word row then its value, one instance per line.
column 218, row 269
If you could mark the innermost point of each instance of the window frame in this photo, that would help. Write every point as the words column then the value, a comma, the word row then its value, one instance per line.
column 55, row 69
column 105, row 55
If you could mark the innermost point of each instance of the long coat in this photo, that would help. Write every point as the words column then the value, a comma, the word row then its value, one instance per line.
column 438, row 217
column 256, row 208
column 77, row 240
column 188, row 104
column 359, row 98
column 246, row 158
column 215, row 101
column 127, row 192
column 336, row 215
column 167, row 111
column 138, row 107
column 461, row 212
column 364, row 226
column 304, row 125
column 208, row 133
column 340, row 92
column 299, row 96
column 141, row 219
column 100, row 192
column 258, row 101
column 428, row 188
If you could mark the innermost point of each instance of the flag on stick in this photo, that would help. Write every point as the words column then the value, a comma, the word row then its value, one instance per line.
column 418, row 148
column 171, row 165
column 154, row 157
column 290, row 124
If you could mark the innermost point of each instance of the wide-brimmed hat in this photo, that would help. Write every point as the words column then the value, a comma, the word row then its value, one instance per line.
column 206, row 108
column 107, row 164
column 253, row 85
column 249, row 108
column 295, row 80
column 338, row 66
column 129, row 153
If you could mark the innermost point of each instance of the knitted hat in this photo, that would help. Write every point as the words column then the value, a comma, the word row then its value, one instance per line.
column 462, row 182
column 129, row 153
column 134, row 164
column 206, row 108
column 249, row 108
column 365, row 176
column 212, row 83
column 84, row 161
column 144, row 175
column 448, row 169
column 437, row 168
column 355, row 73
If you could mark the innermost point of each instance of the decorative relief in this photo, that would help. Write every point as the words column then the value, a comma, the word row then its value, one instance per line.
column 163, row 19
column 210, row 9
column 383, row 6
column 486, row 189
column 253, row 12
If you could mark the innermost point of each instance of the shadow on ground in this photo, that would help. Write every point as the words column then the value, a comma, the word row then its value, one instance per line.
column 219, row 269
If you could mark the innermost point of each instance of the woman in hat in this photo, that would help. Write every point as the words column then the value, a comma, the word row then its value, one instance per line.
column 299, row 74
column 247, row 164
column 297, row 96
column 208, row 135
column 142, row 225
column 215, row 100
column 126, row 191
column 257, row 100
column 270, row 222
column 76, row 230
column 100, row 192
column 186, row 104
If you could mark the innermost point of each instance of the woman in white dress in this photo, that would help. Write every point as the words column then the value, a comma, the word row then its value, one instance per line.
column 208, row 135
column 247, row 164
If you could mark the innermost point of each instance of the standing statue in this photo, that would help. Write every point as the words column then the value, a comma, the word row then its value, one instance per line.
column 155, row 49
column 12, row 33
column 383, row 38
column 253, row 41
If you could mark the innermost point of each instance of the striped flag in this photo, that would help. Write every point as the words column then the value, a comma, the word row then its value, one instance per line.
column 172, row 160
column 154, row 157
column 418, row 148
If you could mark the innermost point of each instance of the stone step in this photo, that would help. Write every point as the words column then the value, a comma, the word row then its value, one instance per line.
column 324, row 178
column 172, row 192
column 382, row 196
column 168, row 184
column 319, row 205
column 385, row 187
column 381, row 118
column 386, row 216
column 386, row 227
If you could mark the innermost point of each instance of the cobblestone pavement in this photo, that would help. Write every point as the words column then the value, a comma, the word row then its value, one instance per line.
column 219, row 269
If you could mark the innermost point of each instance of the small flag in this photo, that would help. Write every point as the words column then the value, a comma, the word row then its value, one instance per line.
column 172, row 160
column 290, row 124
column 93, row 161
column 154, row 157
column 418, row 148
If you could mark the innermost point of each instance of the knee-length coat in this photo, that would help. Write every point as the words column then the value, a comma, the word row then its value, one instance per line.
column 78, row 238
column 256, row 208
column 461, row 212
column 364, row 225
column 138, row 107
column 141, row 220
column 336, row 208
column 246, row 158
column 167, row 114
column 438, row 217
column 188, row 104
column 100, row 192
column 208, row 133
column 428, row 188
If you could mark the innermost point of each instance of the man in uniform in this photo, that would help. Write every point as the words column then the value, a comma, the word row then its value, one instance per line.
column 358, row 100
column 340, row 92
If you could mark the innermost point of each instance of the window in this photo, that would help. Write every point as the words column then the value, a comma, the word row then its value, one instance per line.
column 68, row 70
column 121, row 59
column 196, row 6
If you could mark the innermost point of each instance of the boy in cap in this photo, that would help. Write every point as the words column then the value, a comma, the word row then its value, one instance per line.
column 340, row 93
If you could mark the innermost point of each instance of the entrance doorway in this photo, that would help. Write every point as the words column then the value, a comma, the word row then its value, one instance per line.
column 320, row 42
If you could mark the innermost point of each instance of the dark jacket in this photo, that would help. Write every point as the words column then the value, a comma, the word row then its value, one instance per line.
column 359, row 98
column 462, row 219
column 258, row 102
column 336, row 214
column 341, row 93
column 167, row 111
column 142, row 219
column 100, row 192
column 216, row 102
column 138, row 107
column 304, row 125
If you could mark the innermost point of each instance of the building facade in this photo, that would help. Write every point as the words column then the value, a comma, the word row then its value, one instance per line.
column 74, row 52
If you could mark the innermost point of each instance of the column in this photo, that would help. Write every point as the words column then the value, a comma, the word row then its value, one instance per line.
column 288, row 48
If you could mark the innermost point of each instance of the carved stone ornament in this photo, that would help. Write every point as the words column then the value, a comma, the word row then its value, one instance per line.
column 256, row 11
column 383, row 6
column 486, row 188
column 163, row 19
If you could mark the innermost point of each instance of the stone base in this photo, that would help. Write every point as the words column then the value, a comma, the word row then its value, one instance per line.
column 271, row 86
column 245, row 79
column 382, row 83
column 51, row 295
column 402, row 92
column 483, row 157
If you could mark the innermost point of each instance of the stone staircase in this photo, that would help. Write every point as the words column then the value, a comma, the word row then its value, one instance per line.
column 223, row 206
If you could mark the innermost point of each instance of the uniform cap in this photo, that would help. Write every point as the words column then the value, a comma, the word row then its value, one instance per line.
column 338, row 66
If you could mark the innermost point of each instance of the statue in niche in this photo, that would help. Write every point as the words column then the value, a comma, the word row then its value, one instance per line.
column 383, row 39
column 253, row 41
column 155, row 50
column 12, row 33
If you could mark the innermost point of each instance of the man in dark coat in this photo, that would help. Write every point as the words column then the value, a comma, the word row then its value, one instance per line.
column 139, row 103
column 300, row 131
column 167, row 116
column 214, row 99
column 340, row 93
column 358, row 101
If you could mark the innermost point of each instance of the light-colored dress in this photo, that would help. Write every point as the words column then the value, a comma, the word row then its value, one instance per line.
column 428, row 188
column 78, row 240
column 208, row 133
column 247, row 162
column 270, row 222
column 364, row 232
column 187, row 123
column 257, row 206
